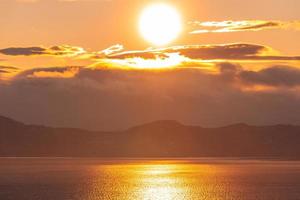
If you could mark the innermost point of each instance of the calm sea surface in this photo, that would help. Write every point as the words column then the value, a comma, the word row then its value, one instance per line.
column 91, row 179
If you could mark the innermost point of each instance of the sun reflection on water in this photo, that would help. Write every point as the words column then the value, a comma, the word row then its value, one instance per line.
column 160, row 182
column 149, row 181
column 203, row 179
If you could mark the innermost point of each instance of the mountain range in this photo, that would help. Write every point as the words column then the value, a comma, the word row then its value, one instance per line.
column 156, row 139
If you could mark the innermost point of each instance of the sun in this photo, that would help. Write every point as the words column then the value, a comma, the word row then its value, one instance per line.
column 160, row 24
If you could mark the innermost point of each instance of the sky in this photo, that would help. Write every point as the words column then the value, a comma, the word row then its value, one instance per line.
column 84, row 63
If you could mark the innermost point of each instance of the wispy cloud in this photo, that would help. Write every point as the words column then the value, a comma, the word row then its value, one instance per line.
column 239, row 26
column 63, row 50
column 103, row 53
column 237, row 51
column 6, row 72
column 8, row 69
column 52, row 72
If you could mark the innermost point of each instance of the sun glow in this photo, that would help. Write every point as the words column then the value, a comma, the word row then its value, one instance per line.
column 160, row 24
column 171, row 61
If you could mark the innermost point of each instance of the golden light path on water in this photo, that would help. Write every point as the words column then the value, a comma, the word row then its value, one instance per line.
column 125, row 179
column 151, row 181
column 160, row 182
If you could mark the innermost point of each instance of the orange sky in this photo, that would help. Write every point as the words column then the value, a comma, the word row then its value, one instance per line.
column 83, row 60
column 98, row 24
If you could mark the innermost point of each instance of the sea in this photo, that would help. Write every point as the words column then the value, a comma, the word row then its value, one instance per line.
column 148, row 179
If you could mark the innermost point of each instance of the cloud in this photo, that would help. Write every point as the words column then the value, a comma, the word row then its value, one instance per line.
column 103, row 98
column 67, row 51
column 238, row 51
column 235, row 51
column 103, row 53
column 274, row 76
column 239, row 26
column 6, row 72
column 3, row 71
column 8, row 69
column 63, row 50
column 52, row 72
column 113, row 49
column 23, row 51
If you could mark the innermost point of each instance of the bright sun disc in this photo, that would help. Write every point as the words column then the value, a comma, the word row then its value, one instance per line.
column 160, row 24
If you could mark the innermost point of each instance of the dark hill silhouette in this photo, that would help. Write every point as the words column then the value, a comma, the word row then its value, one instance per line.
column 156, row 139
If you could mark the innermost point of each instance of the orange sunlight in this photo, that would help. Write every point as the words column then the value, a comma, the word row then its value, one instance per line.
column 160, row 24
column 171, row 61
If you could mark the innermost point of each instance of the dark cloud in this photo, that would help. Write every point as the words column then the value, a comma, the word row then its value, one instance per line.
column 260, row 26
column 211, row 52
column 107, row 99
column 273, row 76
column 50, row 72
column 26, row 51
column 238, row 51
column 8, row 69
column 231, row 51
column 63, row 50
column 3, row 71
